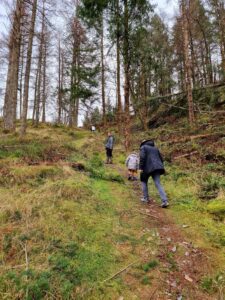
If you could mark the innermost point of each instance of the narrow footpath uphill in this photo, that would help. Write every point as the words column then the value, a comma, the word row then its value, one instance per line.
column 181, row 264
column 74, row 228
column 175, row 266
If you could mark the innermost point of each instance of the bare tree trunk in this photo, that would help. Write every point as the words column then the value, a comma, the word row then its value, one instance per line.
column 10, row 101
column 73, row 83
column 188, row 74
column 38, row 99
column 40, row 66
column 194, row 63
column 35, row 97
column 144, row 97
column 221, row 20
column 21, row 77
column 202, row 54
column 59, row 85
column 119, row 101
column 103, row 74
column 44, row 96
column 71, row 100
column 208, row 58
column 62, row 85
column 127, row 76
column 76, row 112
column 27, row 71
column 77, row 82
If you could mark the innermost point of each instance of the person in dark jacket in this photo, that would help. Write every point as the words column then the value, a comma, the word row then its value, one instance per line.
column 109, row 148
column 151, row 165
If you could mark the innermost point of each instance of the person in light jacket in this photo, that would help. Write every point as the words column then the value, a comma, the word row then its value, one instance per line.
column 109, row 148
column 132, row 163
column 151, row 165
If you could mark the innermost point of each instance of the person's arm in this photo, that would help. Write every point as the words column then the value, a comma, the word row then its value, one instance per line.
column 106, row 142
column 142, row 158
column 137, row 163
column 127, row 161
column 111, row 140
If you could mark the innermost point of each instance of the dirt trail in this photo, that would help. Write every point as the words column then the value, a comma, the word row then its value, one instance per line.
column 181, row 264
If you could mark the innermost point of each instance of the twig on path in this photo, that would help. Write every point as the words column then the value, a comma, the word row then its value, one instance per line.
column 121, row 271
column 111, row 277
column 146, row 214
column 153, row 293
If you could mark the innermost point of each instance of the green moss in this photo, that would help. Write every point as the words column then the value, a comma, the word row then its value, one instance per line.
column 150, row 265
column 217, row 208
column 146, row 280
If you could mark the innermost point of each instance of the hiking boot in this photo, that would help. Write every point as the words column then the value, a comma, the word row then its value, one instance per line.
column 145, row 200
column 165, row 205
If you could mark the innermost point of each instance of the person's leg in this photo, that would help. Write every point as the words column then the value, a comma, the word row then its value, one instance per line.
column 156, row 179
column 134, row 175
column 107, row 156
column 129, row 174
column 110, row 156
column 144, row 185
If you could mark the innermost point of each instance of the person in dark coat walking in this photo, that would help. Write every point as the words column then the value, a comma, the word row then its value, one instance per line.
column 109, row 148
column 151, row 165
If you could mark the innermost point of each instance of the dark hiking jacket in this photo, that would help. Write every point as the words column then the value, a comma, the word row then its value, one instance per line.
column 151, row 160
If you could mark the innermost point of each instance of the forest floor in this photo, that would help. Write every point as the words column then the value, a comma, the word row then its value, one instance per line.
column 74, row 228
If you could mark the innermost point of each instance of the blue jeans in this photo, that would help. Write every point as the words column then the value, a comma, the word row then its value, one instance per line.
column 156, row 179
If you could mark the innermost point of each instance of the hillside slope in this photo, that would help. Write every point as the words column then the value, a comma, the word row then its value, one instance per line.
column 73, row 228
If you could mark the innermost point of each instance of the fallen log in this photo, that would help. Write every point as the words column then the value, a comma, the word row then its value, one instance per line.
column 199, row 136
column 185, row 155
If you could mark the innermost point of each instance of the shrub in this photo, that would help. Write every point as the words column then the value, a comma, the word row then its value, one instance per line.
column 150, row 265
column 30, row 284
column 96, row 162
column 146, row 280
column 209, row 187
column 217, row 208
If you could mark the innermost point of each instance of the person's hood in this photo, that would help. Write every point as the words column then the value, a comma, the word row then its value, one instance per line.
column 147, row 142
column 133, row 154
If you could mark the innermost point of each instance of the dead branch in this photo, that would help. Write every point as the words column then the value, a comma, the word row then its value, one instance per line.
column 194, row 137
column 121, row 271
column 185, row 155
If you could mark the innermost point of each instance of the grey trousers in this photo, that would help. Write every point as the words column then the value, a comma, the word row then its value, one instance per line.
column 156, row 179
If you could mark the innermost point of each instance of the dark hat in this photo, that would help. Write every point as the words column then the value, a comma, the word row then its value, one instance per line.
column 147, row 141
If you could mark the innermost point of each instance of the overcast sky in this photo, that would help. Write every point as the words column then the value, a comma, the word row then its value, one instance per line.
column 166, row 7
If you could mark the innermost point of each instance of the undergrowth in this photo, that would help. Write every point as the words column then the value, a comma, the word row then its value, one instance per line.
column 78, row 228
